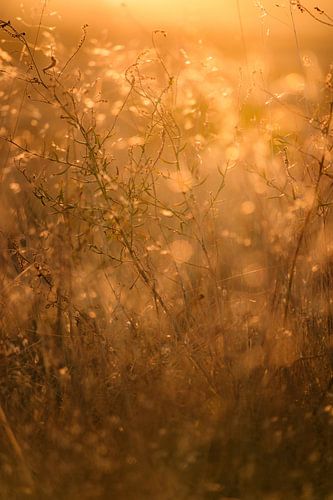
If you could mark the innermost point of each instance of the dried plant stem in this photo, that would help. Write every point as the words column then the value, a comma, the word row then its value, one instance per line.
column 16, row 448
column 312, row 209
column 292, row 271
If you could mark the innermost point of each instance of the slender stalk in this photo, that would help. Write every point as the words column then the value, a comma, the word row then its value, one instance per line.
column 17, row 449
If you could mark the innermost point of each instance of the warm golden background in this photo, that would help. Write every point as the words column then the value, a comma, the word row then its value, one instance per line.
column 166, row 250
column 267, row 25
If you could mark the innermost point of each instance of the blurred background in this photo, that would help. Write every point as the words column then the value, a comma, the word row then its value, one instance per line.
column 242, row 29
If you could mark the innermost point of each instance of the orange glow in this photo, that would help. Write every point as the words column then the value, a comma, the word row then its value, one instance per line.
column 166, row 249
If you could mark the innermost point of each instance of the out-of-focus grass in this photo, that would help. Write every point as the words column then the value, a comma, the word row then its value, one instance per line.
column 166, row 272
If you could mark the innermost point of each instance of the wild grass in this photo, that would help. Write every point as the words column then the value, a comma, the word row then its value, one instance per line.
column 166, row 273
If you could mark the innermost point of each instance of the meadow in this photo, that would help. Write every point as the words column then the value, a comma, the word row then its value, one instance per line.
column 166, row 267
